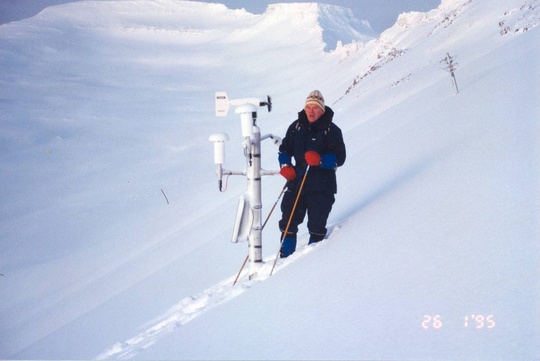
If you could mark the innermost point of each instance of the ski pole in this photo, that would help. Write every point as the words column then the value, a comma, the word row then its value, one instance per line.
column 241, row 268
column 264, row 224
column 275, row 204
column 290, row 219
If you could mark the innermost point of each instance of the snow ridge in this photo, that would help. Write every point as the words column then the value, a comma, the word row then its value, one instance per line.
column 336, row 25
column 341, row 27
column 403, row 36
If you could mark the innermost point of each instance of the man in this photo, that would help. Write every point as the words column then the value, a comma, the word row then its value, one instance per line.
column 312, row 140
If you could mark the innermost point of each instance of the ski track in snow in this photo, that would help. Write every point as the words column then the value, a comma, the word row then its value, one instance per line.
column 192, row 307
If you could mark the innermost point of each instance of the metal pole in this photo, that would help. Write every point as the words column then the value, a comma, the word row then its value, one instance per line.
column 255, row 202
column 264, row 224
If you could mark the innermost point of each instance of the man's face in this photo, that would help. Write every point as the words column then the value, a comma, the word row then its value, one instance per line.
column 313, row 112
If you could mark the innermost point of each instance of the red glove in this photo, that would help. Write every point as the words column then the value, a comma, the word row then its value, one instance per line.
column 288, row 172
column 312, row 158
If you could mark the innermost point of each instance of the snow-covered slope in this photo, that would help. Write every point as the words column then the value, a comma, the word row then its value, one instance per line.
column 115, row 239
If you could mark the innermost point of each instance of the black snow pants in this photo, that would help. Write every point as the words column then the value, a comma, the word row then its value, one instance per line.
column 317, row 205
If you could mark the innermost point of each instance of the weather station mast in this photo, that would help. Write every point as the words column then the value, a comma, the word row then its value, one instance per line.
column 248, row 224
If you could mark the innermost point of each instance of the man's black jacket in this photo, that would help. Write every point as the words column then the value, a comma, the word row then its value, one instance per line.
column 324, row 137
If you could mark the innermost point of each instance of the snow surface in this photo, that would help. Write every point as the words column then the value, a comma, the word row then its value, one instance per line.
column 116, row 240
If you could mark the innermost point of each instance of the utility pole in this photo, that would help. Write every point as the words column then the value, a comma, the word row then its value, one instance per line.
column 248, row 225
column 451, row 67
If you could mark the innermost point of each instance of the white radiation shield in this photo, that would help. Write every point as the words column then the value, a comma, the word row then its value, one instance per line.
column 242, row 225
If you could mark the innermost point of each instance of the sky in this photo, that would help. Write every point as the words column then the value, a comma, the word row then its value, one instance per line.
column 381, row 14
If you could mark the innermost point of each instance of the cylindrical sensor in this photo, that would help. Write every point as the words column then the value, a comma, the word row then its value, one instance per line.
column 219, row 140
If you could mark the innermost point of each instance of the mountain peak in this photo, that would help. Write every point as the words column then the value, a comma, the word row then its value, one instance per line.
column 337, row 24
column 340, row 25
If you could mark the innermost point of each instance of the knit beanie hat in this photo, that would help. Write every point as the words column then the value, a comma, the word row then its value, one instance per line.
column 316, row 98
